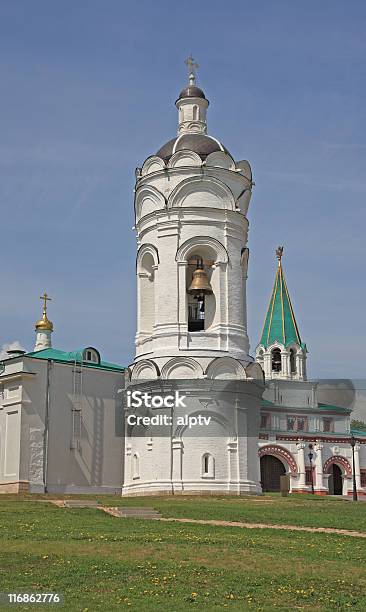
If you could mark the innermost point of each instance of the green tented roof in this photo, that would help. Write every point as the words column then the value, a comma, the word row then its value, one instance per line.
column 280, row 323
column 72, row 357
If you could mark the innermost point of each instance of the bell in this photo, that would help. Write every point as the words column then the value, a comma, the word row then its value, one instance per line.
column 200, row 284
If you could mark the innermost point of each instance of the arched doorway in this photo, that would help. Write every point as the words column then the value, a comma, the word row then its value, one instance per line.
column 335, row 480
column 271, row 471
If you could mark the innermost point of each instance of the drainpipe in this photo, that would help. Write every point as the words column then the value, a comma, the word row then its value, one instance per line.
column 46, row 425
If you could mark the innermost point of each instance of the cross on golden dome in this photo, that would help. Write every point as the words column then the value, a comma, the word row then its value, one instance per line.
column 44, row 323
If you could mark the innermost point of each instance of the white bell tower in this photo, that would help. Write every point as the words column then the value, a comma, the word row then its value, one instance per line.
column 191, row 203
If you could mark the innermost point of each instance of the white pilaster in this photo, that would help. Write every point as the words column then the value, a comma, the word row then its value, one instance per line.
column 301, row 465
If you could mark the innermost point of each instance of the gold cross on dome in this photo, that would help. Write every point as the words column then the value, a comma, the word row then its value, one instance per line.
column 45, row 299
column 192, row 66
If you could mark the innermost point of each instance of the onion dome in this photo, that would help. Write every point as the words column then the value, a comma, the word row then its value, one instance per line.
column 191, row 91
column 44, row 324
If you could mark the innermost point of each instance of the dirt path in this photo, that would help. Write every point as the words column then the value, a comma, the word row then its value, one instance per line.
column 347, row 532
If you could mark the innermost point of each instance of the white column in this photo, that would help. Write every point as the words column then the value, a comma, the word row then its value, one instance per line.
column 357, row 467
column 128, row 464
column 285, row 364
column 301, row 464
column 232, row 448
column 319, row 480
column 177, row 453
column 267, row 365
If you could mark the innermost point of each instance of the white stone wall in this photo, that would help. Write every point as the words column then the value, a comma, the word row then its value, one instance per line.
column 181, row 211
column 90, row 462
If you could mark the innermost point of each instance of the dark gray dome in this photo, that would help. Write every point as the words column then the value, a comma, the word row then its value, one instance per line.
column 201, row 144
column 191, row 92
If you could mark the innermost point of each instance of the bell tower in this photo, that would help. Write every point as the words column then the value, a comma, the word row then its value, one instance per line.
column 280, row 352
column 191, row 203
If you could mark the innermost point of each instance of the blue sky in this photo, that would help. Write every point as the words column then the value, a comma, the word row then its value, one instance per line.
column 87, row 93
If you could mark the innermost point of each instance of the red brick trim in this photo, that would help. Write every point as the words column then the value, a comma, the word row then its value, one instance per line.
column 341, row 462
column 281, row 453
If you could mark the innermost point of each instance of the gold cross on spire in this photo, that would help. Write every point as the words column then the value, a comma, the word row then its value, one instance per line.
column 45, row 299
column 192, row 67
column 279, row 253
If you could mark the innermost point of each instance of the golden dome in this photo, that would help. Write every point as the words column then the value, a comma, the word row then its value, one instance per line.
column 44, row 324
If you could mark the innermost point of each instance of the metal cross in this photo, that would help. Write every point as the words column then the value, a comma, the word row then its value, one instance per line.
column 45, row 299
column 191, row 65
column 279, row 253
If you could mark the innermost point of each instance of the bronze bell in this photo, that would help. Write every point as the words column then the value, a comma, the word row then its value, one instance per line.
column 200, row 284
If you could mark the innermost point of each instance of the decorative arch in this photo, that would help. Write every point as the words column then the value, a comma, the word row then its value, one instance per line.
column 281, row 453
column 152, row 164
column 200, row 191
column 142, row 251
column 182, row 367
column 342, row 462
column 225, row 368
column 146, row 369
column 147, row 200
column 254, row 371
column 244, row 167
column 189, row 245
column 215, row 418
column 184, row 158
column 220, row 159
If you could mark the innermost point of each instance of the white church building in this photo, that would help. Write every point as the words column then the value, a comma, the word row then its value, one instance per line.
column 299, row 435
column 64, row 415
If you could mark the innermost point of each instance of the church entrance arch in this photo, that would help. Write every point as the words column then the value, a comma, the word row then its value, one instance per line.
column 338, row 469
column 335, row 480
column 272, row 469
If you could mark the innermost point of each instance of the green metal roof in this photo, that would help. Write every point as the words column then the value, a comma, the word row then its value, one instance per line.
column 320, row 407
column 358, row 433
column 280, row 323
column 72, row 357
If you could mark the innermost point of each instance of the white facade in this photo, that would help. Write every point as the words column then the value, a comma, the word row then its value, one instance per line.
column 293, row 425
column 191, row 202
column 308, row 439
column 61, row 427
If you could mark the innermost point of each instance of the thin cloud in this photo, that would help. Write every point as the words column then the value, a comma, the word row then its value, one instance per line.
column 10, row 346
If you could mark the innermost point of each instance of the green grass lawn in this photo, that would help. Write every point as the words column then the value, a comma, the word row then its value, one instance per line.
column 101, row 562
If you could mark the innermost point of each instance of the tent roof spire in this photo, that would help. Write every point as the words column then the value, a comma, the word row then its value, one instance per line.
column 280, row 323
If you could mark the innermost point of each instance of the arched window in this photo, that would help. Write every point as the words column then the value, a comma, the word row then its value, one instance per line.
column 276, row 360
column 136, row 466
column 293, row 361
column 91, row 355
column 208, row 466
column 147, row 294
column 195, row 112
column 200, row 294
